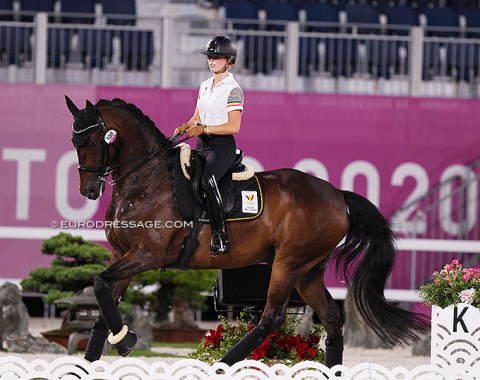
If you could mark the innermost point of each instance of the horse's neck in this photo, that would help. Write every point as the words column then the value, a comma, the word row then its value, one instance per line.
column 153, row 174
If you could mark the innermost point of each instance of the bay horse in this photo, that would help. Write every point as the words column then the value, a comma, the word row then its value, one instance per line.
column 304, row 218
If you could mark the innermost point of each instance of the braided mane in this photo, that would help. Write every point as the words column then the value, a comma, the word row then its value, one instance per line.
column 136, row 112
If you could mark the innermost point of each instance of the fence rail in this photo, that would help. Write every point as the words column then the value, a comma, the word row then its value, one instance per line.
column 448, row 214
column 280, row 56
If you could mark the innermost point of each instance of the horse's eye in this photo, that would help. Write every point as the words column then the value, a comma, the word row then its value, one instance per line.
column 94, row 144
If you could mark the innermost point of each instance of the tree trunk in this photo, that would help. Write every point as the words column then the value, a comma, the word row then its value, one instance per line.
column 183, row 314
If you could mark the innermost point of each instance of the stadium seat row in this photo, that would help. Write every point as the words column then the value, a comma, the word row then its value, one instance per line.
column 356, row 13
column 119, row 12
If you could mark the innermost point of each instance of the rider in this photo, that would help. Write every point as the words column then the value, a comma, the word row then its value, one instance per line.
column 217, row 117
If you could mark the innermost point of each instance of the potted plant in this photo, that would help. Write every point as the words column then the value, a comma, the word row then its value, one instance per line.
column 454, row 294
column 283, row 345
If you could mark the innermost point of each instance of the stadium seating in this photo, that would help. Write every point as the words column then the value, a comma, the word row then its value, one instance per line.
column 463, row 61
column 241, row 10
column 278, row 10
column 137, row 49
column 28, row 7
column 400, row 15
column 442, row 18
column 363, row 13
column 15, row 46
column 58, row 45
column 95, row 46
column 86, row 7
column 472, row 20
column 124, row 8
column 6, row 10
column 314, row 52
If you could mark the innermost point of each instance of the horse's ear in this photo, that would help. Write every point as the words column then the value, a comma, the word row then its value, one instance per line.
column 90, row 108
column 71, row 106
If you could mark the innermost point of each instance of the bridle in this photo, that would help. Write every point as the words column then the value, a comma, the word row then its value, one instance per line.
column 106, row 167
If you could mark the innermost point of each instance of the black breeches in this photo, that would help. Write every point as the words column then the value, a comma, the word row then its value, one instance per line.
column 218, row 160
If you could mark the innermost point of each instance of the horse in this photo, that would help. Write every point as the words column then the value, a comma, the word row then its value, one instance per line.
column 303, row 220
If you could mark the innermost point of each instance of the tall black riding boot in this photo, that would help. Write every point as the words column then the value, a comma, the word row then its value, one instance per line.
column 220, row 243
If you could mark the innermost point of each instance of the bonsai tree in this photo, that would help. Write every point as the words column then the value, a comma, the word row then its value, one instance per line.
column 73, row 268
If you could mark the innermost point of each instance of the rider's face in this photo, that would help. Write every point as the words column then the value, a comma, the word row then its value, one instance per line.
column 216, row 64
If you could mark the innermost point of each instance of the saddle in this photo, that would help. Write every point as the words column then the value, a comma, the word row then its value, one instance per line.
column 240, row 189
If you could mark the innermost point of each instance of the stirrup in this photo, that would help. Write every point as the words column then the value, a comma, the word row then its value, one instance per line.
column 220, row 246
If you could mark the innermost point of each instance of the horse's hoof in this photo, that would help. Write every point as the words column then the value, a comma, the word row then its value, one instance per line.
column 125, row 346
column 91, row 357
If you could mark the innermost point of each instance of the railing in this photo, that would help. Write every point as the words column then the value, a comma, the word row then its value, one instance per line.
column 280, row 56
column 448, row 211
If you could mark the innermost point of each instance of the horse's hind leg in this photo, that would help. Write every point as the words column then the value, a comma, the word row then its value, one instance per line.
column 279, row 290
column 311, row 288
column 100, row 330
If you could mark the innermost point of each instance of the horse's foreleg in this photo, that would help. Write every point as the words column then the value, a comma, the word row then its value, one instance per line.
column 100, row 330
column 136, row 261
column 273, row 316
column 96, row 343
column 311, row 288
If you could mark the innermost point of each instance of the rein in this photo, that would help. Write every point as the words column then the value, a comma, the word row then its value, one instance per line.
column 105, row 168
column 149, row 157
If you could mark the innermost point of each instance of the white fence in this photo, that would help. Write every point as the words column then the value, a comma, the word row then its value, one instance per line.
column 454, row 356
column 72, row 368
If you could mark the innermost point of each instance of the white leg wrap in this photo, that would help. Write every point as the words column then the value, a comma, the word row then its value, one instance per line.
column 114, row 339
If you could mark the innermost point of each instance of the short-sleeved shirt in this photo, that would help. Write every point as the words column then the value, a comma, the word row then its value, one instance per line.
column 215, row 103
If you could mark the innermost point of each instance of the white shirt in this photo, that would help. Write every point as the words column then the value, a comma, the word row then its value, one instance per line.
column 214, row 103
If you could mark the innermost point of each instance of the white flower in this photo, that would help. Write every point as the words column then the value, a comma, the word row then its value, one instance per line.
column 466, row 296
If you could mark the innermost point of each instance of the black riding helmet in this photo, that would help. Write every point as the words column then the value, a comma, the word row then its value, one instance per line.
column 221, row 46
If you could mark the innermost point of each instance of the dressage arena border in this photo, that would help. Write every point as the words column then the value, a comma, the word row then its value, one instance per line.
column 72, row 368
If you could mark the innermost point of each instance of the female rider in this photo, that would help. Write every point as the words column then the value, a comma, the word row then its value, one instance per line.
column 217, row 117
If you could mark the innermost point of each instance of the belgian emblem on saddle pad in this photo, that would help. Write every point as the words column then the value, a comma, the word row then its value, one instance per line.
column 240, row 188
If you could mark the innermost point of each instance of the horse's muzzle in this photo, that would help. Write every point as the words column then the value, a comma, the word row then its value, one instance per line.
column 91, row 190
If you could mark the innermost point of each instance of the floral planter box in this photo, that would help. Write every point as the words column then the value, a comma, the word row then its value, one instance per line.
column 62, row 337
column 178, row 335
column 456, row 337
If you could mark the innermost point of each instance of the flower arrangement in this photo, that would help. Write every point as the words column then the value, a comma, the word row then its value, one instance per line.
column 282, row 345
column 452, row 285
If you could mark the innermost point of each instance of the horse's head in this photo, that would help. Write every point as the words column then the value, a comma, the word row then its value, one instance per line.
column 91, row 139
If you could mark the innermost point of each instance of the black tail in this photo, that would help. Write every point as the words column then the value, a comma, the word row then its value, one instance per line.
column 366, row 274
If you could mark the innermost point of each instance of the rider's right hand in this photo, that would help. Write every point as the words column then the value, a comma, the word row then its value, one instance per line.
column 182, row 128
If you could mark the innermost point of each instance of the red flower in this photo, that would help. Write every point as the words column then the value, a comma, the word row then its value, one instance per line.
column 314, row 339
column 214, row 337
column 262, row 350
column 283, row 344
